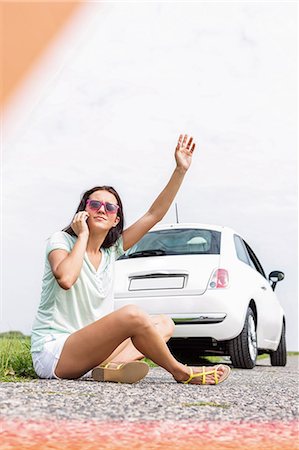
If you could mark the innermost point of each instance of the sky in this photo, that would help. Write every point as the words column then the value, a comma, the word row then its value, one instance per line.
column 105, row 104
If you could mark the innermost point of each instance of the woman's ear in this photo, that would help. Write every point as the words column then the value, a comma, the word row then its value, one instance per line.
column 116, row 221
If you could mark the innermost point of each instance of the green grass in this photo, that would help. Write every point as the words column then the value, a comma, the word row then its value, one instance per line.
column 149, row 362
column 263, row 356
column 15, row 358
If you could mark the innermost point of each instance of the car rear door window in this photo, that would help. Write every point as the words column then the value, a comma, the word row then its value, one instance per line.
column 254, row 261
column 241, row 250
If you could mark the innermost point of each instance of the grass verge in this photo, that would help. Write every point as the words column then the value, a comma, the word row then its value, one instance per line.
column 15, row 358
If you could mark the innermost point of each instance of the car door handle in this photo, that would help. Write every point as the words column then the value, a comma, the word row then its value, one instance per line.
column 264, row 288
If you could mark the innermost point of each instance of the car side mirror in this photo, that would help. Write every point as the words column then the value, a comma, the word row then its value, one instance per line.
column 275, row 277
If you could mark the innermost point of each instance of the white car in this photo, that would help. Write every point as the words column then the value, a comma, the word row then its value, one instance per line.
column 209, row 281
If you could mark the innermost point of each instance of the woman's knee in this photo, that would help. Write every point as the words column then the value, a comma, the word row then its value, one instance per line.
column 135, row 316
column 168, row 325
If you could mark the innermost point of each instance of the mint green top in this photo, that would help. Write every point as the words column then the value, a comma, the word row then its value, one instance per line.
column 89, row 299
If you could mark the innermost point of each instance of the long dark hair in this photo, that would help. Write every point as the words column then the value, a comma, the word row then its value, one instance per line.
column 115, row 232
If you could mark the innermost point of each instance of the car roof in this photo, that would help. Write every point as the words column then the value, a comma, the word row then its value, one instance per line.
column 169, row 226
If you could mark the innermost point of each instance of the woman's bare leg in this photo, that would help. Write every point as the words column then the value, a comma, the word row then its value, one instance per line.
column 93, row 344
column 126, row 351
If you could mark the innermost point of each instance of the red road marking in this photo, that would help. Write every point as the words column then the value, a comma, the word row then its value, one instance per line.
column 146, row 435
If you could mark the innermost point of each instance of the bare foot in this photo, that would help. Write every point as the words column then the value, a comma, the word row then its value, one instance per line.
column 209, row 379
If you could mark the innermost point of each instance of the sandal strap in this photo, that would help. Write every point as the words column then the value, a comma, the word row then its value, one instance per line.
column 191, row 376
column 203, row 374
column 108, row 364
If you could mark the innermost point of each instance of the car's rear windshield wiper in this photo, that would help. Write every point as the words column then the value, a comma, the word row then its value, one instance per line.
column 153, row 252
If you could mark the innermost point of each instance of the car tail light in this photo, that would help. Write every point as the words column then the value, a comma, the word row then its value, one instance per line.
column 219, row 279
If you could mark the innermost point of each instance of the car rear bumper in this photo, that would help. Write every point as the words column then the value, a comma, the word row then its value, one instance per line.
column 216, row 314
column 219, row 331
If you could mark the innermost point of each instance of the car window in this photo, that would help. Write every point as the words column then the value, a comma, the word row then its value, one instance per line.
column 179, row 241
column 254, row 261
column 241, row 250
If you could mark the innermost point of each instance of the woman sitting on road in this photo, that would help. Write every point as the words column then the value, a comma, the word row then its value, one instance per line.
column 76, row 332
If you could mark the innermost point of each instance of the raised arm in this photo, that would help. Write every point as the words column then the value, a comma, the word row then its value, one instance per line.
column 183, row 156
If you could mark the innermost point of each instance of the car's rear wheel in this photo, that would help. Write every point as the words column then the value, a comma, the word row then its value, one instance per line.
column 279, row 356
column 243, row 348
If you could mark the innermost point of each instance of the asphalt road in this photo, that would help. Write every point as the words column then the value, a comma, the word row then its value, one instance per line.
column 253, row 410
column 264, row 393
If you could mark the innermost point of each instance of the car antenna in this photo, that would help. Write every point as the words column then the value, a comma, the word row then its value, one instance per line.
column 176, row 213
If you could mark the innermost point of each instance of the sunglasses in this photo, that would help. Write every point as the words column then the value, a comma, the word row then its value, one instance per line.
column 95, row 205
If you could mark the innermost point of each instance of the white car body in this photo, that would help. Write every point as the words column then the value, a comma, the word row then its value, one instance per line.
column 179, row 286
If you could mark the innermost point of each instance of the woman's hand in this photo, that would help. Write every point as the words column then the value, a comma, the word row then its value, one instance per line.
column 66, row 266
column 79, row 225
column 183, row 152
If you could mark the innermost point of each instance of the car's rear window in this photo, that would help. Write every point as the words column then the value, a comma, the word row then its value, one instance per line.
column 179, row 241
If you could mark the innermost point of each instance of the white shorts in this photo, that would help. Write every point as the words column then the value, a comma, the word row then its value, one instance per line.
column 45, row 362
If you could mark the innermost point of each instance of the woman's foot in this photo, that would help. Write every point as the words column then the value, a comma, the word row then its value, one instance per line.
column 202, row 375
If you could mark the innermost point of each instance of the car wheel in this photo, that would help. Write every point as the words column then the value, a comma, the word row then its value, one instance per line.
column 279, row 356
column 243, row 348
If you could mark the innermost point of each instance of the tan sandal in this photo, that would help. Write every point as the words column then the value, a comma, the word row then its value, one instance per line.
column 129, row 372
column 218, row 378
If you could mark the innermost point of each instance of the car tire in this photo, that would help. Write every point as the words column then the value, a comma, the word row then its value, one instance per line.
column 243, row 348
column 279, row 356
